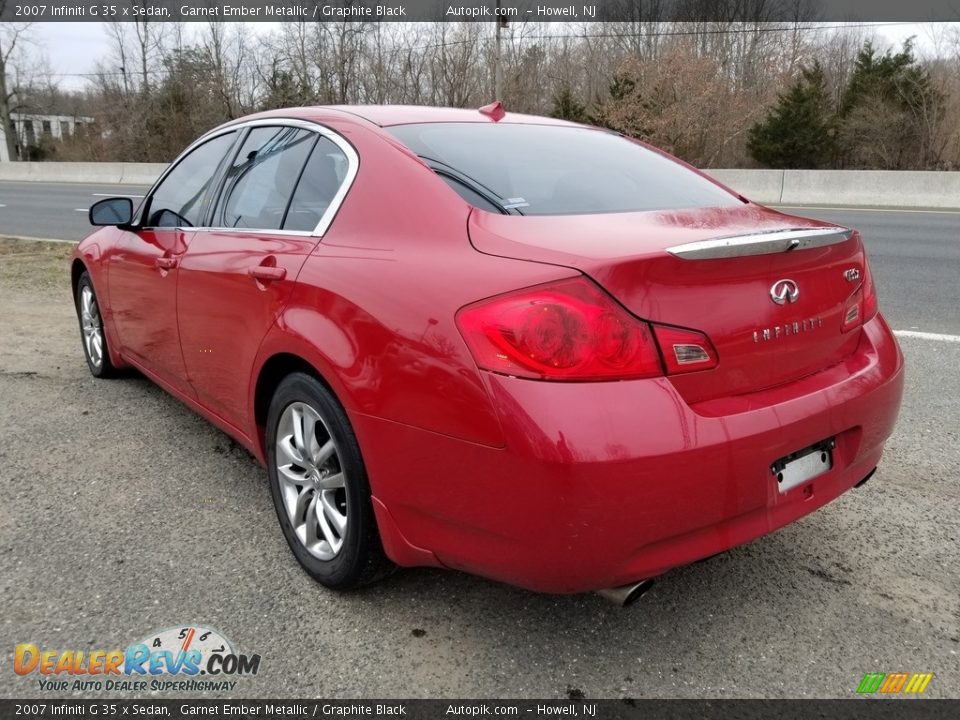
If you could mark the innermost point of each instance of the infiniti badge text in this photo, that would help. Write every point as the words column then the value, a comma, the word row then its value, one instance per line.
column 786, row 330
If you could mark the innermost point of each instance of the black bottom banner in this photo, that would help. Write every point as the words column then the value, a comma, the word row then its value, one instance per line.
column 449, row 709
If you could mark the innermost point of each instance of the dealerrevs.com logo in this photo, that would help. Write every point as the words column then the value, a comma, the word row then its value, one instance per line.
column 189, row 658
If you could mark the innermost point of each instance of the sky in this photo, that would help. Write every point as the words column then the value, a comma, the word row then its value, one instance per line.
column 73, row 49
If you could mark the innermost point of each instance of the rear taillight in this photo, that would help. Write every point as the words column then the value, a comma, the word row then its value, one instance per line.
column 685, row 350
column 568, row 330
column 870, row 306
column 862, row 305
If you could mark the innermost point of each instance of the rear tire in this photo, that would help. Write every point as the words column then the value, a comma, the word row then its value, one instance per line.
column 319, row 486
column 92, row 334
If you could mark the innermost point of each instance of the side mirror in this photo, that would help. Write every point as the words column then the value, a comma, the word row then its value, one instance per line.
column 112, row 211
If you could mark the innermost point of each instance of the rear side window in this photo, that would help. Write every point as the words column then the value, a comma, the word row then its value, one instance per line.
column 321, row 179
column 181, row 199
column 470, row 195
column 557, row 170
column 261, row 180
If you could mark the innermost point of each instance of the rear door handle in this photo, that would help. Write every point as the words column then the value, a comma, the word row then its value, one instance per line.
column 166, row 263
column 267, row 272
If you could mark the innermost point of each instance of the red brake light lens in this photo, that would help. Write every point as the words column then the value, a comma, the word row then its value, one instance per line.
column 870, row 305
column 568, row 330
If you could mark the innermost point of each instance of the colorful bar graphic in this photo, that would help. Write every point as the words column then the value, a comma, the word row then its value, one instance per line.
column 892, row 683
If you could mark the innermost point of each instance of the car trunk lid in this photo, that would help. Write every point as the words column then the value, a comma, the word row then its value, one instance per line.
column 768, row 289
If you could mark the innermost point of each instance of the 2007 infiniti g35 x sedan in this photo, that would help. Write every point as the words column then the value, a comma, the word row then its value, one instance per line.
column 528, row 349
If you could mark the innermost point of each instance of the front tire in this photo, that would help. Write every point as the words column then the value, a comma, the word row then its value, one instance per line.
column 91, row 329
column 319, row 486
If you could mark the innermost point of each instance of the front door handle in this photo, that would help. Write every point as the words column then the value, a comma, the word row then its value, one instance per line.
column 166, row 263
column 267, row 272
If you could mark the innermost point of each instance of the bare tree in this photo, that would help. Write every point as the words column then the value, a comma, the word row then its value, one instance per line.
column 12, row 36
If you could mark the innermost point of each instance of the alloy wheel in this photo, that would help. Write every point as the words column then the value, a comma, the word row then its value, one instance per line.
column 92, row 326
column 312, row 481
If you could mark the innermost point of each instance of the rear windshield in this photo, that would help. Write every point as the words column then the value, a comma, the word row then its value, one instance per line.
column 555, row 170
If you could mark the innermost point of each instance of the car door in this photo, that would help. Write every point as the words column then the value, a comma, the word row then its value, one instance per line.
column 236, row 276
column 143, row 271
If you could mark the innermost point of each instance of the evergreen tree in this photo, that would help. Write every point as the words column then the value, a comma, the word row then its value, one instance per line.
column 567, row 107
column 890, row 112
column 893, row 78
column 799, row 131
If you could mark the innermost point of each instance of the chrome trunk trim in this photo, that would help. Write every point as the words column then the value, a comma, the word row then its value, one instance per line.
column 762, row 243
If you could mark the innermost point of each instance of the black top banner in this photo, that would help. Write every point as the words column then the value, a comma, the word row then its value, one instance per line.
column 471, row 709
column 505, row 11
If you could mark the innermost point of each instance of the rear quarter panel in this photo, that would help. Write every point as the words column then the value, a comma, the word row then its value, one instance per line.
column 374, row 305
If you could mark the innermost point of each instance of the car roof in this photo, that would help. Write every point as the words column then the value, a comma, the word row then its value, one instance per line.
column 386, row 115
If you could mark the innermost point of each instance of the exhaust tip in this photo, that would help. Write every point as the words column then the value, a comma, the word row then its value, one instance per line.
column 626, row 594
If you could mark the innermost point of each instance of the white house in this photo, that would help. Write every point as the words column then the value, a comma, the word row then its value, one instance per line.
column 31, row 127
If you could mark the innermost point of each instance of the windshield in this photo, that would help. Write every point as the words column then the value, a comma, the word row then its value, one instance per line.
column 556, row 170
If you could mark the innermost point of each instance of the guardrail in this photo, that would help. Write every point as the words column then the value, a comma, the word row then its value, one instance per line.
column 862, row 188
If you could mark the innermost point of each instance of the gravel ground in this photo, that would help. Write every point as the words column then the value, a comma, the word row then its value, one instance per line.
column 127, row 513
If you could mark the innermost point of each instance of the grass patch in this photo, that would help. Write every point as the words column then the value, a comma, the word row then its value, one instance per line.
column 33, row 265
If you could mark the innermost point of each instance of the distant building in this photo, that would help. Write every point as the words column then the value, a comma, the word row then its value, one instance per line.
column 31, row 127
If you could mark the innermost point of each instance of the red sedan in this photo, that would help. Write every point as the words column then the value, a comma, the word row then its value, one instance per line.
column 528, row 349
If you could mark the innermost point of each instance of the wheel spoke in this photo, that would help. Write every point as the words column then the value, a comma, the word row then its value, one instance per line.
column 325, row 453
column 297, row 417
column 304, row 497
column 310, row 523
column 287, row 453
column 332, row 482
column 324, row 526
column 311, row 446
column 332, row 512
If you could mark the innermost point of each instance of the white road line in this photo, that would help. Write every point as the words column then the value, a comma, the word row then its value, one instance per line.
column 81, row 209
column 2, row 205
column 927, row 336
column 113, row 195
column 841, row 208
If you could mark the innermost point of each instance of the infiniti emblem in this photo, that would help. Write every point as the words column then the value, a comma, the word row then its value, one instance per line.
column 784, row 291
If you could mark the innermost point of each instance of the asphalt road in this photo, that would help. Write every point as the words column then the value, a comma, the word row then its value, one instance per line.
column 54, row 210
column 124, row 513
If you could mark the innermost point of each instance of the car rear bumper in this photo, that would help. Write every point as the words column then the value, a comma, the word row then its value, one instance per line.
column 602, row 484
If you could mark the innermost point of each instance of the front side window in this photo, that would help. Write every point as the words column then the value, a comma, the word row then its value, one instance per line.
column 562, row 170
column 182, row 198
column 261, row 181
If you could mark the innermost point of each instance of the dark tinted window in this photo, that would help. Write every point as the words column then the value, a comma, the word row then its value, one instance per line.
column 181, row 199
column 322, row 177
column 261, row 180
column 555, row 170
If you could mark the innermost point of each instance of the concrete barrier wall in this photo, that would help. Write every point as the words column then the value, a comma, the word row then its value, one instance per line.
column 762, row 186
column 82, row 172
column 861, row 188
column 854, row 188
